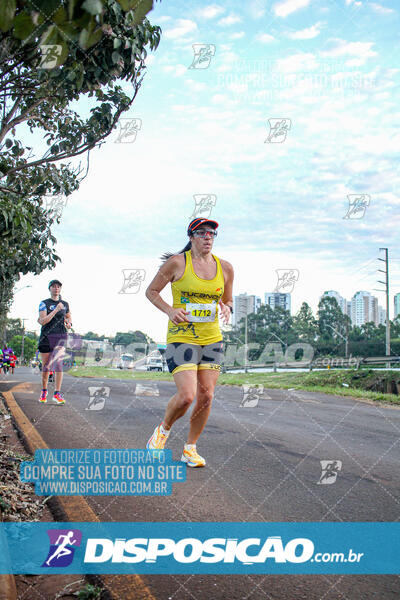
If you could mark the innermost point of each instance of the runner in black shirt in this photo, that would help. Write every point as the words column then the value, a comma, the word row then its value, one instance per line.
column 55, row 319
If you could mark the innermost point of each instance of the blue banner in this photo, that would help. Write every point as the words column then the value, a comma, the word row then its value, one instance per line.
column 208, row 548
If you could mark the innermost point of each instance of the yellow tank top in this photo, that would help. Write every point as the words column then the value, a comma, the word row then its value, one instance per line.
column 189, row 291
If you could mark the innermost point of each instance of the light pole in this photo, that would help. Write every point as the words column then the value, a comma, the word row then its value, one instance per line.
column 23, row 340
column 25, row 286
column 346, row 339
column 245, row 344
column 282, row 342
column 386, row 284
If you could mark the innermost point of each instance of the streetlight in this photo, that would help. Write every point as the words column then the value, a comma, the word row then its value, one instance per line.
column 346, row 339
column 23, row 340
column 25, row 286
column 282, row 342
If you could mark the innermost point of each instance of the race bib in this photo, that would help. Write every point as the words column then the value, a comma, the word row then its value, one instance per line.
column 200, row 312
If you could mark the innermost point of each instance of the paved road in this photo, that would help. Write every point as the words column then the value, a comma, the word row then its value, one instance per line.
column 263, row 464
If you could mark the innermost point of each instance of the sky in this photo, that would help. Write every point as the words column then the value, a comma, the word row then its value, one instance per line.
column 290, row 121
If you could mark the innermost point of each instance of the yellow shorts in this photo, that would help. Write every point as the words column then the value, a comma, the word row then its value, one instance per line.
column 193, row 357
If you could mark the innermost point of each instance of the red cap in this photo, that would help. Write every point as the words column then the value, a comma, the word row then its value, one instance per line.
column 195, row 223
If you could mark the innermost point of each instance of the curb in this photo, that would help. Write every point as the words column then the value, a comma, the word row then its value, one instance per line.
column 8, row 588
column 73, row 509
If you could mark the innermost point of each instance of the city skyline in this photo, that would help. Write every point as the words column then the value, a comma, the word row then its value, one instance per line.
column 377, row 313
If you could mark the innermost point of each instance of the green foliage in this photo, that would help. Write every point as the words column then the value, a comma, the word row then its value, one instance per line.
column 89, row 592
column 331, row 320
column 53, row 53
column 63, row 21
column 277, row 326
column 90, row 335
column 129, row 338
column 30, row 346
column 305, row 324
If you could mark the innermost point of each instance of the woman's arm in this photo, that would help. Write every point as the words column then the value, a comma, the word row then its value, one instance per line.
column 68, row 320
column 45, row 318
column 226, row 302
column 228, row 285
column 166, row 274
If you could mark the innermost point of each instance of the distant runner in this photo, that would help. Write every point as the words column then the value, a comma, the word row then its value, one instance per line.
column 201, row 287
column 13, row 360
column 7, row 354
column 55, row 319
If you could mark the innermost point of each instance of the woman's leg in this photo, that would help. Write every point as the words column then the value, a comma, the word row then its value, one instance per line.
column 186, row 383
column 56, row 364
column 206, row 381
column 45, row 370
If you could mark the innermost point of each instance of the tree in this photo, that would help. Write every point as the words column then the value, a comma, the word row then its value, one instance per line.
column 37, row 90
column 370, row 331
column 13, row 327
column 27, row 245
column 53, row 53
column 264, row 325
column 90, row 335
column 305, row 324
column 30, row 346
column 395, row 327
column 331, row 318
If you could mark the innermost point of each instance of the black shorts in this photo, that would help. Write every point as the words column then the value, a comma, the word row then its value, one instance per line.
column 192, row 357
column 49, row 343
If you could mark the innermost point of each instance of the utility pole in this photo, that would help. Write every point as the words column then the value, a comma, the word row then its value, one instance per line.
column 386, row 284
column 23, row 340
column 245, row 343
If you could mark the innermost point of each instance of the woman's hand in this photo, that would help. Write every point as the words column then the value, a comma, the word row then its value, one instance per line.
column 178, row 315
column 226, row 311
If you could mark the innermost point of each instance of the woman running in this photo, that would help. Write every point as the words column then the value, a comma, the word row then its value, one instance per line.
column 55, row 319
column 201, row 285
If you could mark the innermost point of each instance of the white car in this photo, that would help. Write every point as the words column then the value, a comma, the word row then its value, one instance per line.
column 126, row 361
column 154, row 363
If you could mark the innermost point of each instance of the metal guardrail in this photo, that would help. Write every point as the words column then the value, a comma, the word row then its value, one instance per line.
column 354, row 361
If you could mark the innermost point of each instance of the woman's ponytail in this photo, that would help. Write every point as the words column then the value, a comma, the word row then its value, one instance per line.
column 168, row 255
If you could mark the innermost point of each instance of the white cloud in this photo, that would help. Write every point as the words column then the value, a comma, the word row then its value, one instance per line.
column 360, row 51
column 264, row 38
column 211, row 11
column 256, row 8
column 229, row 20
column 287, row 7
column 237, row 88
column 182, row 28
column 219, row 99
column 306, row 34
column 163, row 19
column 237, row 36
column 303, row 61
column 382, row 10
column 226, row 60
column 196, row 86
column 175, row 70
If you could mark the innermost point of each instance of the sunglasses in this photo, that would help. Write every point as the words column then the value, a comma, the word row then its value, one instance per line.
column 202, row 233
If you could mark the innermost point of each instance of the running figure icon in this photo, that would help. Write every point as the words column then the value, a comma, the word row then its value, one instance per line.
column 62, row 549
